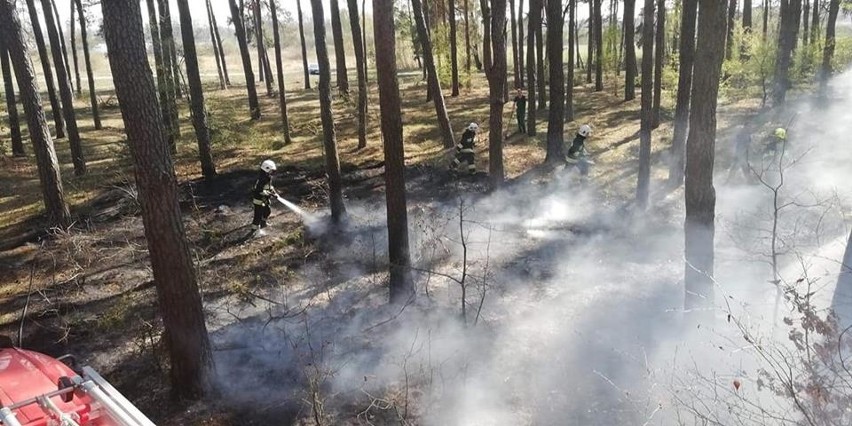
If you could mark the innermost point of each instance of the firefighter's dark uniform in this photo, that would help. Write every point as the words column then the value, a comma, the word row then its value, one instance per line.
column 465, row 152
column 576, row 148
column 521, row 105
column 263, row 189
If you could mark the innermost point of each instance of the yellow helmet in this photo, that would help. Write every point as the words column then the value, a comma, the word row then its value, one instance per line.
column 780, row 133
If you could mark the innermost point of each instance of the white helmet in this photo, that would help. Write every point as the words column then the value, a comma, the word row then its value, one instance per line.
column 268, row 166
column 473, row 127
column 585, row 130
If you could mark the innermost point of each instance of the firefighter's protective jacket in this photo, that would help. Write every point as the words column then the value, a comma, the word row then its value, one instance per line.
column 263, row 189
column 576, row 147
column 465, row 146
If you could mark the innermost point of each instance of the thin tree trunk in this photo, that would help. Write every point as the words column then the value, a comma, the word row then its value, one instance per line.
column 806, row 13
column 630, row 50
column 169, row 48
column 179, row 300
column 828, row 50
column 686, row 57
column 64, row 92
column 11, row 105
column 521, row 57
column 790, row 11
column 466, row 35
column 360, row 59
column 401, row 283
column 659, row 61
column 598, row 46
column 747, row 9
column 44, row 58
column 429, row 89
column 364, row 39
column 486, row 33
column 699, row 194
column 815, row 21
column 216, row 53
column 282, row 93
column 339, row 52
column 304, row 47
column 170, row 101
column 434, row 85
column 515, row 61
column 93, row 96
column 258, row 36
column 332, row 162
column 65, row 61
column 196, row 91
column 454, row 55
column 239, row 29
column 590, row 43
column 261, row 49
column 167, row 96
column 533, row 19
column 48, row 166
column 73, row 37
column 647, row 119
column 539, row 47
column 569, row 86
column 219, row 45
column 496, row 92
column 556, row 117
column 766, row 11
column 732, row 14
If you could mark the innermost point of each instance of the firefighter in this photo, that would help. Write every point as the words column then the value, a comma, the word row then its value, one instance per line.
column 740, row 161
column 261, row 194
column 521, row 107
column 464, row 150
column 778, row 138
column 577, row 152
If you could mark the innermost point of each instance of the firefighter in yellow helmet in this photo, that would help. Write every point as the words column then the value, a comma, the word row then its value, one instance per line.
column 777, row 140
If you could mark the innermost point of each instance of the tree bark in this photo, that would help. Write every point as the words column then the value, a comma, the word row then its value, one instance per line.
column 556, row 116
column 569, row 78
column 240, row 32
column 282, row 95
column 732, row 14
column 73, row 36
column 454, row 54
column 686, row 57
column 11, row 105
column 630, row 50
column 766, row 12
column 332, row 162
column 261, row 46
column 58, row 29
column 539, row 47
column 486, row 33
column 521, row 57
column 815, row 21
column 65, row 92
column 196, row 91
column 533, row 20
column 339, row 52
column 167, row 96
column 219, row 45
column 216, row 53
column 806, row 13
column 828, row 49
column 170, row 49
column 496, row 91
column 48, row 166
column 647, row 115
column 171, row 262
column 700, row 196
column 466, row 35
column 401, row 283
column 515, row 62
column 93, row 95
column 790, row 11
column 747, row 9
column 599, row 46
column 590, row 42
column 55, row 106
column 304, row 47
column 361, row 60
column 659, row 61
column 432, row 75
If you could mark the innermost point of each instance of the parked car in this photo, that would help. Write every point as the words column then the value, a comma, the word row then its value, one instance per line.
column 313, row 69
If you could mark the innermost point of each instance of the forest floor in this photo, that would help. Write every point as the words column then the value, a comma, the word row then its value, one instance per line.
column 88, row 289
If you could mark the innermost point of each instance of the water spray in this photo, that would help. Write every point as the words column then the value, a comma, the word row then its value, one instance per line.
column 306, row 217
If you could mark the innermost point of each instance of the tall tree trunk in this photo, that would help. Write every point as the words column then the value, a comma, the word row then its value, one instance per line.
column 533, row 20
column 699, row 194
column 647, row 115
column 843, row 290
column 401, row 283
column 178, row 297
column 196, row 91
column 361, row 60
column 466, row 35
column 590, row 42
column 339, row 52
column 630, row 50
column 55, row 106
column 167, row 96
column 258, row 36
column 747, row 9
column 93, row 96
column 569, row 86
column 521, row 57
column 304, row 47
column 364, row 39
column 429, row 88
column 790, row 11
column 766, row 12
column 454, row 54
column 815, row 21
column 48, row 166
column 496, row 92
column 64, row 92
column 659, row 61
column 61, row 33
column 598, row 46
column 240, row 31
column 11, row 105
column 556, row 117
column 73, row 36
column 486, row 33
column 806, row 13
column 219, row 45
column 216, row 53
column 539, row 63
column 332, row 162
column 515, row 61
column 686, row 57
column 261, row 40
column 434, row 85
column 732, row 14
column 170, row 105
column 828, row 50
column 169, row 48
column 282, row 93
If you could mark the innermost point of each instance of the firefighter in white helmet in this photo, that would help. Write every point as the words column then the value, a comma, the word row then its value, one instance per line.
column 263, row 190
column 578, row 147
column 465, row 150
